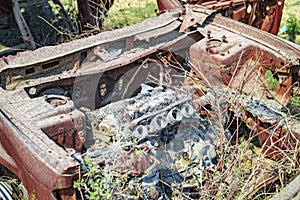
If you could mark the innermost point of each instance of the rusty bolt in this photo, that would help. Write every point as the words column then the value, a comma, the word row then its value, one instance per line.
column 224, row 39
column 82, row 134
column 208, row 34
column 32, row 91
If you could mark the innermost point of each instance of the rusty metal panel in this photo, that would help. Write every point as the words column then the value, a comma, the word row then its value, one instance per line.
column 265, row 15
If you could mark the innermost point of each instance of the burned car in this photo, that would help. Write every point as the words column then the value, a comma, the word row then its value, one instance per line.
column 150, row 104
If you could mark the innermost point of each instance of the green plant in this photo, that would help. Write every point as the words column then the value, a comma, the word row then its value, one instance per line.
column 291, row 29
column 104, row 183
column 271, row 79
column 296, row 3
column 72, row 10
column 295, row 101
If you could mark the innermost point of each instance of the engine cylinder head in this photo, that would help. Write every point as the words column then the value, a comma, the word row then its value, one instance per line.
column 158, row 123
column 140, row 131
column 174, row 116
column 187, row 110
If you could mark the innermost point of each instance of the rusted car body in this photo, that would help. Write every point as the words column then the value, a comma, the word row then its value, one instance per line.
column 46, row 93
column 19, row 18
column 265, row 15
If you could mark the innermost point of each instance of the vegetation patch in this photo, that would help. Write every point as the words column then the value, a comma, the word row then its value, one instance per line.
column 290, row 24
column 269, row 75
column 127, row 13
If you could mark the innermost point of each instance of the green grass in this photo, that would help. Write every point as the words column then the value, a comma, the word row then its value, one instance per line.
column 295, row 101
column 290, row 18
column 122, row 14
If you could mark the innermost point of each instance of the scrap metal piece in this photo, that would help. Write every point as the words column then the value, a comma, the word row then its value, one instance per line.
column 270, row 124
column 195, row 15
column 265, row 15
column 252, row 61
column 168, row 5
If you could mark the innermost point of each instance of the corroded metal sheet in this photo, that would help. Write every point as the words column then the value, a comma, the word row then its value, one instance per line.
column 265, row 15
